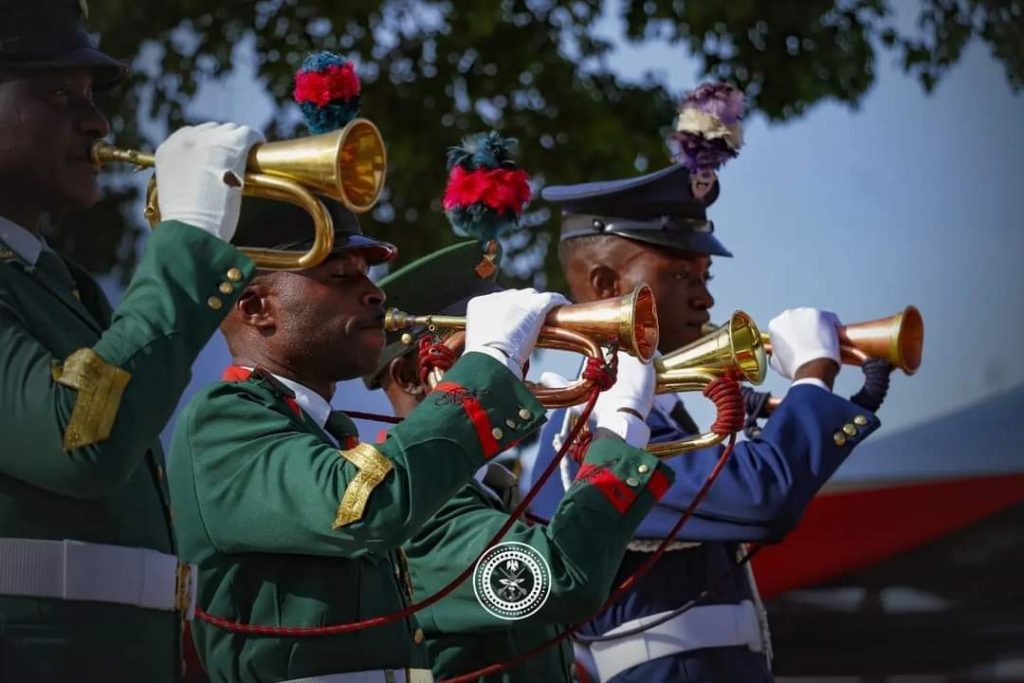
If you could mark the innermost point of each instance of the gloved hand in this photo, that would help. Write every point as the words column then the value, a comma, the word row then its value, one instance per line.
column 633, row 390
column 801, row 335
column 194, row 169
column 623, row 408
column 552, row 380
column 508, row 322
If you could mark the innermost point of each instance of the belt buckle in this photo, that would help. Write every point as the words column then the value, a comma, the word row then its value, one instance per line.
column 419, row 675
column 185, row 590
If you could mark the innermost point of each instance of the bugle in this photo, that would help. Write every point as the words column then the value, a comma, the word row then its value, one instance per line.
column 736, row 348
column 629, row 321
column 898, row 339
column 347, row 165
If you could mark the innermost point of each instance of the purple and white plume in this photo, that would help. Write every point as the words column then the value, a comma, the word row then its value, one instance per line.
column 709, row 128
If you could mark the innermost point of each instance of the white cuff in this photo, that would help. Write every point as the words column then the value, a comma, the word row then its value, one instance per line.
column 631, row 428
column 812, row 380
column 501, row 357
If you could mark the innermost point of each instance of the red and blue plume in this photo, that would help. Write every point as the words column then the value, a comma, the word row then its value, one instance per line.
column 327, row 90
column 709, row 128
column 486, row 191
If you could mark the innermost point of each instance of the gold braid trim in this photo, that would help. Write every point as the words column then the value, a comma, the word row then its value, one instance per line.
column 373, row 467
column 100, row 386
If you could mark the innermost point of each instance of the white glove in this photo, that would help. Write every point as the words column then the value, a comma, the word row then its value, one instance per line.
column 508, row 323
column 192, row 175
column 552, row 380
column 801, row 335
column 623, row 408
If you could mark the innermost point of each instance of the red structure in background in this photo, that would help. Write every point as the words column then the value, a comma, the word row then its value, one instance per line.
column 847, row 530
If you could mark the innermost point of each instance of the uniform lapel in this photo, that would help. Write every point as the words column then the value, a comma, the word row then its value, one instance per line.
column 62, row 291
column 91, row 296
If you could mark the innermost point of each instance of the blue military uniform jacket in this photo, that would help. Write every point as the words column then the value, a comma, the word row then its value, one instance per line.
column 759, row 496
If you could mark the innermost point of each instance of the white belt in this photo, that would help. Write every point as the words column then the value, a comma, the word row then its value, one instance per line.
column 378, row 676
column 75, row 570
column 698, row 628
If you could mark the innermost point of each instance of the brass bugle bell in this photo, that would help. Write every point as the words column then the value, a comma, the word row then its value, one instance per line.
column 897, row 338
column 347, row 165
column 630, row 321
column 736, row 348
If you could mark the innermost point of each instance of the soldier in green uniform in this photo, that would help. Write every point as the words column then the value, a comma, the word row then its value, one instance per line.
column 90, row 588
column 291, row 520
column 502, row 613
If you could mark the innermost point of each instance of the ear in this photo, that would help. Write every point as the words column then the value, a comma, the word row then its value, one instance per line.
column 403, row 373
column 604, row 281
column 254, row 308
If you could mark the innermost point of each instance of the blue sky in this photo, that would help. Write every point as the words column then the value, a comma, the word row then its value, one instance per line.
column 911, row 198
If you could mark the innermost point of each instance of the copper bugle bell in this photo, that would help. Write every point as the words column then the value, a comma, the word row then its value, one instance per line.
column 629, row 321
column 347, row 165
column 898, row 339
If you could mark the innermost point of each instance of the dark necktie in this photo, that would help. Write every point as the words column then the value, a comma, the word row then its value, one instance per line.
column 683, row 418
column 680, row 424
column 55, row 271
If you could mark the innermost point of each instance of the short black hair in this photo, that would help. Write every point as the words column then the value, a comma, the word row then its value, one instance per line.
column 583, row 246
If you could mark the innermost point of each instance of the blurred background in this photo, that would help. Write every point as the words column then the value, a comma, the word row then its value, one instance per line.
column 883, row 166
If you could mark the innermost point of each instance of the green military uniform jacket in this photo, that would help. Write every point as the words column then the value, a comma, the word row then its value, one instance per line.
column 288, row 530
column 55, row 483
column 583, row 546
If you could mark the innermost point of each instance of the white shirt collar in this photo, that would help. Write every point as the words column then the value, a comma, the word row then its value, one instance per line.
column 315, row 405
column 21, row 241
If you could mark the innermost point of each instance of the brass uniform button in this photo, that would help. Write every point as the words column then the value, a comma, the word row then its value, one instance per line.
column 226, row 288
column 839, row 438
column 235, row 275
column 525, row 414
column 418, row 636
column 860, row 420
column 849, row 430
column 510, row 423
column 633, row 481
column 642, row 469
column 497, row 433
column 214, row 302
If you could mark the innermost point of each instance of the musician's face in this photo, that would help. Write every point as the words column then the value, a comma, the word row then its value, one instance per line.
column 679, row 280
column 329, row 320
column 48, row 123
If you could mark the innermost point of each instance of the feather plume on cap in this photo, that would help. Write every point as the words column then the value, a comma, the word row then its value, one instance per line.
column 486, row 192
column 327, row 91
column 708, row 132
column 709, row 128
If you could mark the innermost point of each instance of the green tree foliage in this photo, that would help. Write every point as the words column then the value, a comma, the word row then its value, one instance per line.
column 434, row 71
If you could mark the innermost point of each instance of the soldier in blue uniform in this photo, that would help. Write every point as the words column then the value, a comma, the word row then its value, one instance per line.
column 654, row 229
